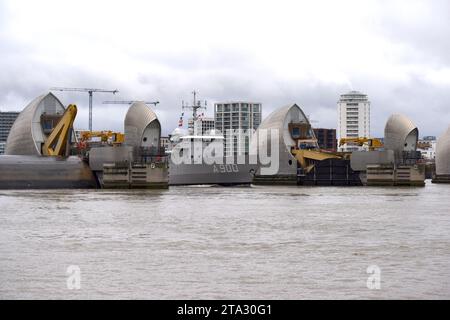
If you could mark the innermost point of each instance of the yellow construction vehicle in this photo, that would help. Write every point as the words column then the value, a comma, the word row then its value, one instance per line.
column 118, row 137
column 372, row 143
column 105, row 136
column 56, row 143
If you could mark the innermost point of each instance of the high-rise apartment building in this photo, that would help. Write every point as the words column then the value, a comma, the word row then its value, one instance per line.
column 206, row 123
column 6, row 121
column 353, row 118
column 244, row 117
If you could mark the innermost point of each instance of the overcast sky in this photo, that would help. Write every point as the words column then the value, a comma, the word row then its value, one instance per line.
column 273, row 52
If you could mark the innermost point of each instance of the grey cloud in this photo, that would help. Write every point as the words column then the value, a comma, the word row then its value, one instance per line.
column 427, row 37
column 227, row 74
column 426, row 104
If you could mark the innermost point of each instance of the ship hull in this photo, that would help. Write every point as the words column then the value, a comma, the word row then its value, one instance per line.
column 198, row 174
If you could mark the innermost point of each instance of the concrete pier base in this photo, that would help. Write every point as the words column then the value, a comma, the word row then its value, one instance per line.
column 37, row 172
column 443, row 178
column 275, row 180
column 136, row 176
column 388, row 175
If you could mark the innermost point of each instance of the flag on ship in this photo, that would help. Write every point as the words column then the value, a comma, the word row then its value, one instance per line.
column 180, row 122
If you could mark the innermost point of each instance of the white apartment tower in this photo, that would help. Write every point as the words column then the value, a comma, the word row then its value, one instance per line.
column 207, row 124
column 240, row 116
column 353, row 118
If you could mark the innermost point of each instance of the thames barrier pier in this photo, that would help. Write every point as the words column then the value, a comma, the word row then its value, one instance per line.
column 25, row 167
column 40, row 151
column 140, row 162
column 302, row 162
column 442, row 174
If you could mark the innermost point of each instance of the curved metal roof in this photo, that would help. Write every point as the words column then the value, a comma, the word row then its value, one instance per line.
column 138, row 118
column 26, row 134
column 443, row 154
column 400, row 134
column 279, row 120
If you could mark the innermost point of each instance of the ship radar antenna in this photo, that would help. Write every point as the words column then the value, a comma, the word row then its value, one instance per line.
column 196, row 105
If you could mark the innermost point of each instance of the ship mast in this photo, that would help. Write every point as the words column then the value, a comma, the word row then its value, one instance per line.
column 195, row 106
column 195, row 118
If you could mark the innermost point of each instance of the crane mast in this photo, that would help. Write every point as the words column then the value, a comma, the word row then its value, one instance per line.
column 90, row 91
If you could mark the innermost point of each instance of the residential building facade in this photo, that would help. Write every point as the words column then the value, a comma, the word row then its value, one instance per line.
column 326, row 138
column 165, row 143
column 7, row 119
column 353, row 118
column 206, row 123
column 427, row 147
column 244, row 117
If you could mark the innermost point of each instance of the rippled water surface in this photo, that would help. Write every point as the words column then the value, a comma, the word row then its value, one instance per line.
column 226, row 243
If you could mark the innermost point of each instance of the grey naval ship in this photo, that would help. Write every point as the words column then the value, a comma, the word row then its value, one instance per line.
column 202, row 170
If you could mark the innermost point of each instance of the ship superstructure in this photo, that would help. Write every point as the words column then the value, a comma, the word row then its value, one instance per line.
column 197, row 157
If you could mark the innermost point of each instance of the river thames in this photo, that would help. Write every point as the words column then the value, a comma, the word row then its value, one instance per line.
column 226, row 243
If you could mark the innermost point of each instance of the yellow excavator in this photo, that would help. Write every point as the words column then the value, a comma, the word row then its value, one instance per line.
column 372, row 143
column 56, row 143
